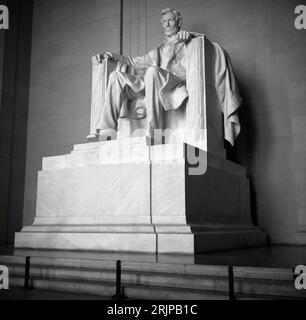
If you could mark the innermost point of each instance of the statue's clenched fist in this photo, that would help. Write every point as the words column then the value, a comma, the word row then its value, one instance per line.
column 183, row 36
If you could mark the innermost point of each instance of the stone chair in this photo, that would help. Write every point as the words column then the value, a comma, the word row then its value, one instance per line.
column 198, row 122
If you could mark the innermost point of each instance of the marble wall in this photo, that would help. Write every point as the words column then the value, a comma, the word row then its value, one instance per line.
column 15, row 48
column 2, row 37
column 65, row 36
column 267, row 52
column 1, row 62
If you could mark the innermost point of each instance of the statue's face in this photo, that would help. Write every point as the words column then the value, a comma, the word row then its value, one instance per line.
column 170, row 24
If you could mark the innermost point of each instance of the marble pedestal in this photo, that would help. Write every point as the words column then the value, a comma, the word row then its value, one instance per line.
column 126, row 196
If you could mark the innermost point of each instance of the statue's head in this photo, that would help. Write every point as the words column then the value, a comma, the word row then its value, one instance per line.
column 171, row 21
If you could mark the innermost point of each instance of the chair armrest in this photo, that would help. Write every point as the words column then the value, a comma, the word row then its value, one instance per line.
column 100, row 74
column 195, row 84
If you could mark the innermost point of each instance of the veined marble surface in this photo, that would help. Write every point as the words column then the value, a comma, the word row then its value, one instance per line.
column 103, row 191
column 131, row 197
column 124, row 242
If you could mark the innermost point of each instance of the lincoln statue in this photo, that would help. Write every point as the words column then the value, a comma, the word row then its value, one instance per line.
column 160, row 78
column 146, row 193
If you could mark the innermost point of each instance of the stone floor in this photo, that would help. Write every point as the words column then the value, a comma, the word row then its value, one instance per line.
column 18, row 294
column 280, row 256
column 277, row 256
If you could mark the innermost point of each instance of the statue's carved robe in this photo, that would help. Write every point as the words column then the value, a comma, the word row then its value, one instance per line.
column 160, row 88
column 172, row 91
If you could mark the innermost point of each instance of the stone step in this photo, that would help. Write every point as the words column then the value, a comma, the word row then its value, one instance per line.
column 128, row 278
column 205, row 283
column 169, row 280
column 133, row 150
column 152, row 266
column 130, row 291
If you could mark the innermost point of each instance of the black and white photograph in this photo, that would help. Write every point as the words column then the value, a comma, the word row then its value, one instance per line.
column 152, row 153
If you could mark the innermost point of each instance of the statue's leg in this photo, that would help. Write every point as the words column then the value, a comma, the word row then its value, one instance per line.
column 121, row 87
column 163, row 91
column 155, row 78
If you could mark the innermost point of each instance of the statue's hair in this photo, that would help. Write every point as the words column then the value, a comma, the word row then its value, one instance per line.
column 176, row 13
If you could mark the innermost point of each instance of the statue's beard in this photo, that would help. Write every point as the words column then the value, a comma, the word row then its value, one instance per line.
column 168, row 32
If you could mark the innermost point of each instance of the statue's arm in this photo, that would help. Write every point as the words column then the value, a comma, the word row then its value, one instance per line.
column 138, row 63
column 186, row 36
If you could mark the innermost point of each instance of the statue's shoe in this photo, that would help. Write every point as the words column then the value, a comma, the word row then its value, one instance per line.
column 92, row 138
column 103, row 135
column 106, row 134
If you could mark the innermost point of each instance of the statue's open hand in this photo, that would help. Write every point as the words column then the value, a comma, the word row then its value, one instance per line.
column 183, row 36
column 98, row 58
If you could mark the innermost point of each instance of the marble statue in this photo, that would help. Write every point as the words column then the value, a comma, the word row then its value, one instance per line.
column 158, row 81
column 128, row 195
